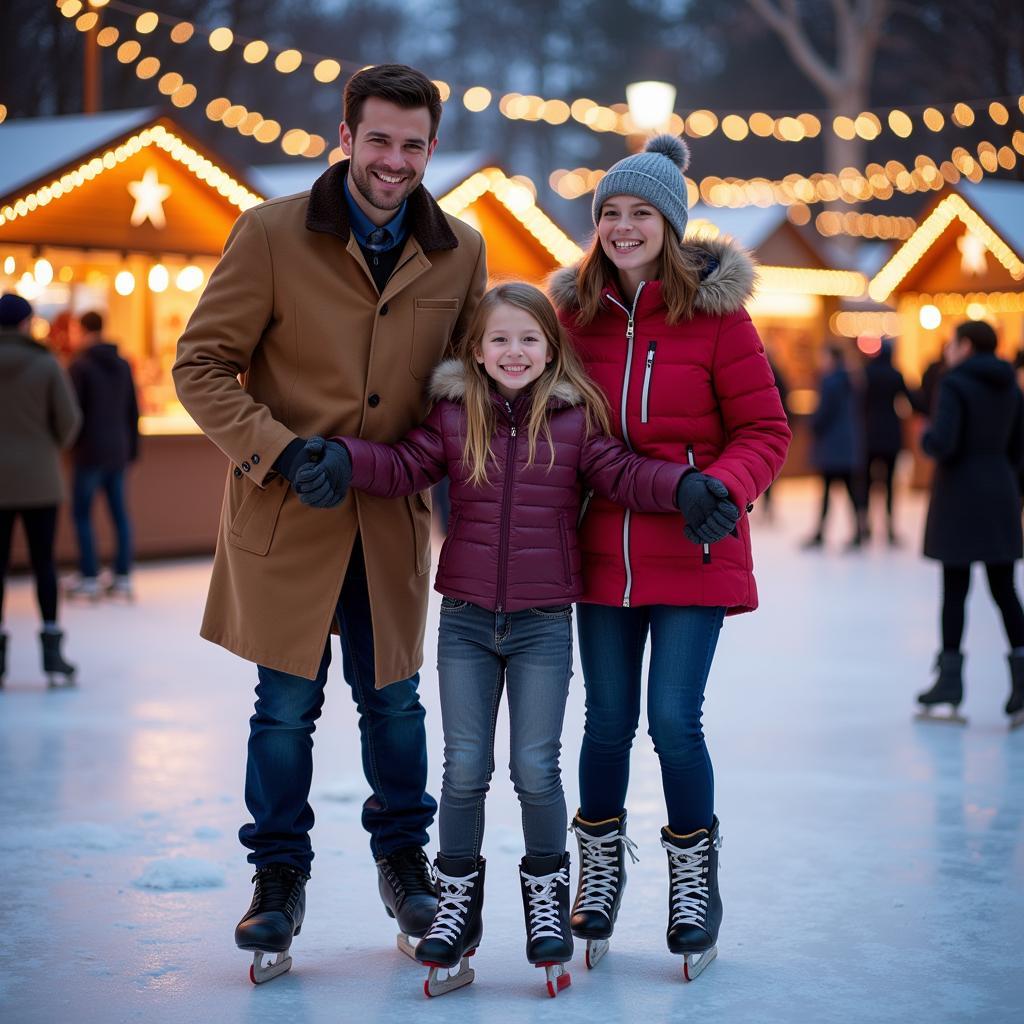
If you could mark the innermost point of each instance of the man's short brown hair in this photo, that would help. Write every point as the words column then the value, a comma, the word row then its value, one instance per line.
column 92, row 322
column 397, row 83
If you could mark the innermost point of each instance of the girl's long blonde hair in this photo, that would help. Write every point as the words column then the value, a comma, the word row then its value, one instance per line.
column 565, row 368
column 679, row 272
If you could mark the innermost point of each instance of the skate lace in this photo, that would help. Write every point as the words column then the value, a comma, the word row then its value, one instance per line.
column 600, row 876
column 542, row 894
column 454, row 897
column 687, row 870
column 277, row 888
column 411, row 873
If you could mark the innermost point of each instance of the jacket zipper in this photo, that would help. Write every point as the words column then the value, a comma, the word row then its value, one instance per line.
column 689, row 458
column 648, row 370
column 506, row 504
column 630, row 329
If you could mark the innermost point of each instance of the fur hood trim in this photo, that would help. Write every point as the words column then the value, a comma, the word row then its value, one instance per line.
column 725, row 287
column 448, row 381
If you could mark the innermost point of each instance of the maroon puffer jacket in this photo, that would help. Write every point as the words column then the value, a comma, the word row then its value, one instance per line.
column 512, row 543
column 700, row 391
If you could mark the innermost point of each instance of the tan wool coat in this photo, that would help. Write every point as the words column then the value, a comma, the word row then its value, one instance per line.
column 290, row 339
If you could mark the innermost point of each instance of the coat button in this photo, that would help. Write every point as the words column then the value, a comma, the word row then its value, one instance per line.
column 374, row 401
column 384, row 310
column 246, row 466
column 238, row 472
column 255, row 460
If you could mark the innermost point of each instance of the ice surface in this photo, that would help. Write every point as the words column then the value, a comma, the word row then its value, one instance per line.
column 872, row 867
column 180, row 873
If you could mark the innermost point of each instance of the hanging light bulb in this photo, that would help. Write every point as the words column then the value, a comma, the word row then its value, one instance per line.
column 43, row 272
column 124, row 283
column 158, row 278
column 190, row 278
column 10, row 265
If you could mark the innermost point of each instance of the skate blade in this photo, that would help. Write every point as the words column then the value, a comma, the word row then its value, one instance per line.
column 259, row 973
column 952, row 717
column 596, row 949
column 557, row 978
column 694, row 964
column 438, row 985
column 60, row 682
column 406, row 945
column 1016, row 720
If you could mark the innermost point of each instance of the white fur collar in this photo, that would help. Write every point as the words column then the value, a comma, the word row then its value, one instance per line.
column 449, row 381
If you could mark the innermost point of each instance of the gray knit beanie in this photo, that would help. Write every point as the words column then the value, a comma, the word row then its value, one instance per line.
column 655, row 175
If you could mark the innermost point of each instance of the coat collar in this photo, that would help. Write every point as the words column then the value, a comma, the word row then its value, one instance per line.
column 328, row 212
column 726, row 283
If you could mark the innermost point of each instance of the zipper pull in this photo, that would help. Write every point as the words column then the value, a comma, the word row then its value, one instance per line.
column 650, row 354
column 513, row 430
column 629, row 330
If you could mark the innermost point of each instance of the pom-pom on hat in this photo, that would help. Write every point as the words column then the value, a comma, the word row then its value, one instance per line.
column 655, row 175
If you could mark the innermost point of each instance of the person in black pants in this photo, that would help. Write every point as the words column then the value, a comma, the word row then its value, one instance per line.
column 977, row 440
column 38, row 417
column 837, row 452
column 882, row 428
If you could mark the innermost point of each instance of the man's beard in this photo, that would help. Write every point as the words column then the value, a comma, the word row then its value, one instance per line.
column 365, row 183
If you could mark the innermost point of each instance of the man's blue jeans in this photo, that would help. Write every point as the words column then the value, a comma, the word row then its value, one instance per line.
column 612, row 642
column 279, row 770
column 87, row 480
column 479, row 653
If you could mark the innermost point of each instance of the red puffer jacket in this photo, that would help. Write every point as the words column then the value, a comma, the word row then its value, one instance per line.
column 512, row 542
column 698, row 392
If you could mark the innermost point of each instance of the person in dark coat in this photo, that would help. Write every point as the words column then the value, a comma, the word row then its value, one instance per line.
column 107, row 444
column 883, row 429
column 38, row 417
column 977, row 440
column 782, row 386
column 837, row 451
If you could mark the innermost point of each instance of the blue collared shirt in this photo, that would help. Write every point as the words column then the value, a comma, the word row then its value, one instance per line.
column 362, row 226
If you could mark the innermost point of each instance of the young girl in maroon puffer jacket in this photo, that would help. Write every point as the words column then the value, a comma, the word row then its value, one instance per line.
column 660, row 325
column 516, row 426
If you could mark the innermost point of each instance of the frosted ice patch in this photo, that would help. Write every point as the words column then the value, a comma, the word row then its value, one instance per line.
column 71, row 837
column 180, row 873
column 346, row 790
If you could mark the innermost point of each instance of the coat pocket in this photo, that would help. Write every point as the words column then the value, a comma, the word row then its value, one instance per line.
column 433, row 321
column 253, row 527
column 645, row 395
column 419, row 512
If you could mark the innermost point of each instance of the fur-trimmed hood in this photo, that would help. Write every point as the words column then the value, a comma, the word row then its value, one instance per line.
column 725, row 287
column 448, row 381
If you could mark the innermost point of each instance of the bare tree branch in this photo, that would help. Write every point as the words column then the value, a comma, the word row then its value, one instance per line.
column 790, row 30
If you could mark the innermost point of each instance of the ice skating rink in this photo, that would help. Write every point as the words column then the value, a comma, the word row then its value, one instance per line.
column 872, row 866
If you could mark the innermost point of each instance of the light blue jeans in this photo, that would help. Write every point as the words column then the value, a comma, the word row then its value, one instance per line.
column 480, row 653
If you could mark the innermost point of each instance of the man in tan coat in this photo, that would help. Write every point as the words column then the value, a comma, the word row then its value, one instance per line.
column 325, row 316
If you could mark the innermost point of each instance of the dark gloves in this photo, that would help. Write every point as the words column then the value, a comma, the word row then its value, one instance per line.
column 704, row 502
column 323, row 481
column 318, row 470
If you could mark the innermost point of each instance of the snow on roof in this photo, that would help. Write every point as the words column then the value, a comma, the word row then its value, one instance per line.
column 444, row 172
column 33, row 147
column 1001, row 204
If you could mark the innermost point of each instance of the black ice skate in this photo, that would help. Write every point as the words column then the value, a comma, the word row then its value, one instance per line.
column 274, row 916
column 602, row 881
column 457, row 927
column 409, row 893
column 695, row 906
column 58, row 671
column 948, row 690
column 545, row 885
column 1015, row 705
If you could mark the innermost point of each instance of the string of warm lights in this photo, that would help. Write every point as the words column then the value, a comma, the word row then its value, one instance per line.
column 957, row 304
column 851, row 324
column 735, row 126
column 157, row 135
column 864, row 225
column 908, row 255
column 521, row 202
column 851, row 185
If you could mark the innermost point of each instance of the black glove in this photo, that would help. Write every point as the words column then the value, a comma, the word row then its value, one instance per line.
column 323, row 480
column 297, row 454
column 704, row 502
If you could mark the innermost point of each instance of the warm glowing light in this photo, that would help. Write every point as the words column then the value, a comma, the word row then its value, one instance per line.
column 477, row 98
column 147, row 67
column 70, row 8
column 327, row 71
column 185, row 96
column 934, row 119
column 128, row 51
column 182, row 32
column 287, row 61
column 734, row 127
column 221, row 39
column 295, row 141
column 976, row 311
column 149, row 196
column 124, row 282
column 10, row 265
column 267, row 131
column 107, row 36
column 170, row 83
column 217, row 108
column 444, row 89
column 929, row 317
column 42, row 272
column 147, row 22
column 190, row 278
column 158, row 278
column 963, row 116
column 650, row 104
column 87, row 22
column 255, row 51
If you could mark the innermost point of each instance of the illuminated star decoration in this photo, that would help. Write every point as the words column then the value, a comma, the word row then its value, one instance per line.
column 972, row 254
column 149, row 197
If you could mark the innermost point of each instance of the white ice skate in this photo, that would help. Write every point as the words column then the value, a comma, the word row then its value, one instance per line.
column 931, row 713
column 260, row 972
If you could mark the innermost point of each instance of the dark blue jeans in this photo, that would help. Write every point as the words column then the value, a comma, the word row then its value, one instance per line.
column 87, row 480
column 612, row 642
column 279, row 770
column 479, row 653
